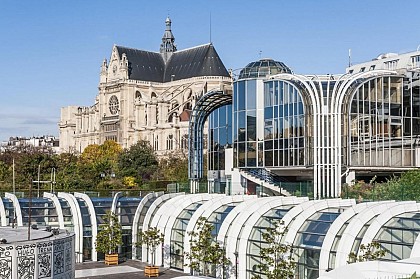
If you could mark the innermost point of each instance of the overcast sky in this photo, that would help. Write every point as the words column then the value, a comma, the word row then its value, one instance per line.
column 51, row 51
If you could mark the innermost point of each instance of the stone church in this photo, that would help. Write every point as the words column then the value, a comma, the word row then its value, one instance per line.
column 145, row 95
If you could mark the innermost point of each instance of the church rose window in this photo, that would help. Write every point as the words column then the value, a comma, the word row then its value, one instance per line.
column 114, row 104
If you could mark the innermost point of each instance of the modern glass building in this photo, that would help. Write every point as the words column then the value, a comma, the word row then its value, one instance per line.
column 282, row 132
column 322, row 232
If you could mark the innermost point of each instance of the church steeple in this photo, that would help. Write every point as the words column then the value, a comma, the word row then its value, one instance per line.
column 167, row 47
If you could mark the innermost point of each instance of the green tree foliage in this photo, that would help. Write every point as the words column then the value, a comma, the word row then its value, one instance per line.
column 173, row 167
column 370, row 252
column 67, row 173
column 276, row 257
column 109, row 235
column 5, row 176
column 138, row 161
column 27, row 161
column 98, row 164
column 99, row 167
column 404, row 187
column 205, row 254
column 151, row 238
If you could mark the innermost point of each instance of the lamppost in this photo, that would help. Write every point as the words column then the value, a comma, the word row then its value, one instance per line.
column 236, row 264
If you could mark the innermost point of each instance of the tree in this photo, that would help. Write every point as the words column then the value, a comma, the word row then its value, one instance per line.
column 205, row 253
column 369, row 252
column 174, row 167
column 98, row 163
column 276, row 257
column 138, row 161
column 109, row 235
column 151, row 238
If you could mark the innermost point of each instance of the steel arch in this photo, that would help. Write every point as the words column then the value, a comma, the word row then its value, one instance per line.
column 208, row 103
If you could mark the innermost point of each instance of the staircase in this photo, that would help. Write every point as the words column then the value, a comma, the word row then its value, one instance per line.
column 267, row 180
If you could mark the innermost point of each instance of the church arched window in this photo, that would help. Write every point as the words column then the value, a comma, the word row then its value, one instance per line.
column 170, row 142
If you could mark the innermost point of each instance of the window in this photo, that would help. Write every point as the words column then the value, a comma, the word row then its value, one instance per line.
column 372, row 68
column 415, row 61
column 184, row 142
column 114, row 106
column 156, row 143
column 170, row 142
column 391, row 65
column 362, row 69
column 138, row 95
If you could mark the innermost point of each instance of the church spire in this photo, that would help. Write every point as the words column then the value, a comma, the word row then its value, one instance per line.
column 167, row 47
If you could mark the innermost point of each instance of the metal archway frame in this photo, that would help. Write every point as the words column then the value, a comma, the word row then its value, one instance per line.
column 208, row 103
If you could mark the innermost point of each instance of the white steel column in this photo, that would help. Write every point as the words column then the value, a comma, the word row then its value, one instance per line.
column 77, row 223
column 137, row 222
column 2, row 214
column 16, row 205
column 151, row 213
column 58, row 208
column 93, row 222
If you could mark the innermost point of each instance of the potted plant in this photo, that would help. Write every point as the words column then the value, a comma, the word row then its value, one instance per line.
column 151, row 239
column 109, row 237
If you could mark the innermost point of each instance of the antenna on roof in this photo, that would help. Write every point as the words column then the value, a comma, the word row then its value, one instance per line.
column 210, row 28
column 259, row 54
column 349, row 57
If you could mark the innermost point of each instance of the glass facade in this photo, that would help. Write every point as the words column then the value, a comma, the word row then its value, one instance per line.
column 308, row 242
column 87, row 230
column 284, row 125
column 126, row 209
column 384, row 123
column 178, row 233
column 219, row 137
column 140, row 223
column 256, row 241
column 336, row 242
column 43, row 212
column 247, row 153
column 268, row 124
column 310, row 224
column 398, row 235
column 67, row 215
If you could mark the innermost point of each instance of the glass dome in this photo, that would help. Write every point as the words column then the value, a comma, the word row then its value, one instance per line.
column 263, row 68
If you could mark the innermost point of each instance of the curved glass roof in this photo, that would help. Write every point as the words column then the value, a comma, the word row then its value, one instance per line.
column 263, row 68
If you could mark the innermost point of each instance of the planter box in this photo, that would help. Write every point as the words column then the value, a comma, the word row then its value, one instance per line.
column 151, row 271
column 111, row 259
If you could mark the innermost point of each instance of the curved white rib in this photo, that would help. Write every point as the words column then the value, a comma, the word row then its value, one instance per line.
column 77, row 223
column 151, row 213
column 93, row 222
column 385, row 216
column 17, row 208
column 166, row 215
column 205, row 211
column 336, row 226
column 356, row 224
column 58, row 208
column 2, row 214
column 142, row 206
column 239, row 234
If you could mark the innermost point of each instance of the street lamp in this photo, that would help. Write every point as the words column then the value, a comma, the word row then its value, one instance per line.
column 236, row 264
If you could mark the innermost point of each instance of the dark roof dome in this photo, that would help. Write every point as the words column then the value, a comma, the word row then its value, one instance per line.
column 263, row 68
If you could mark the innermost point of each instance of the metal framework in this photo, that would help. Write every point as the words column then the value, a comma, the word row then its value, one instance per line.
column 327, row 108
column 208, row 103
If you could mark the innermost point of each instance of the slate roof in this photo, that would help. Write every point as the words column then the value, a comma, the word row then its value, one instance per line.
column 193, row 62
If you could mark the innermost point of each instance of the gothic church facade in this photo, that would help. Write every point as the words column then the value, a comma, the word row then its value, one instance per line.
column 145, row 95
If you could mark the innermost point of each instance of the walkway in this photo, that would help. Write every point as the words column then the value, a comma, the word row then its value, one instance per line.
column 128, row 269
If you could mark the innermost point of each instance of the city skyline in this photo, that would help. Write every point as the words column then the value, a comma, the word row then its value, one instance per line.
column 52, row 53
